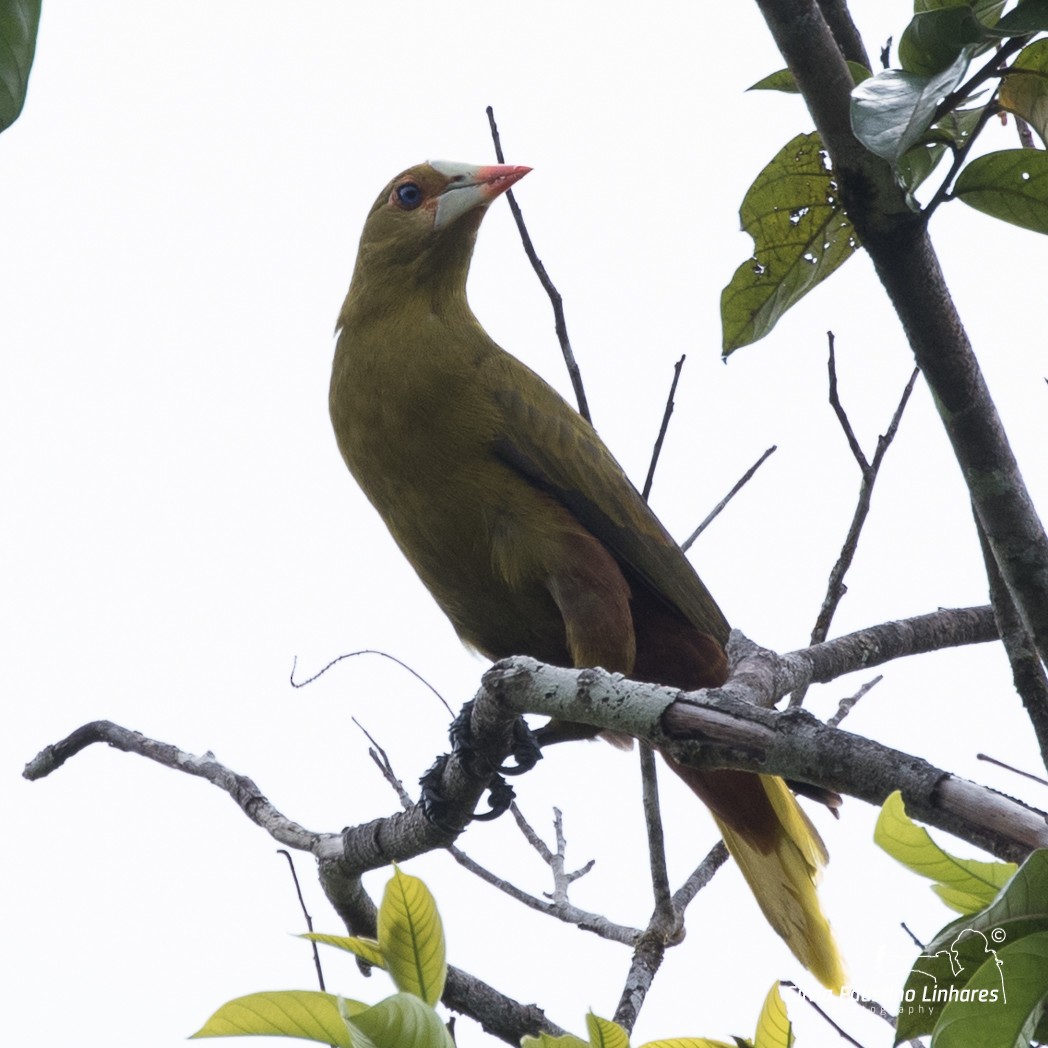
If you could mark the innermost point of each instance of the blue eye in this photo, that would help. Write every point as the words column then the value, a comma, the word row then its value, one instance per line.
column 409, row 196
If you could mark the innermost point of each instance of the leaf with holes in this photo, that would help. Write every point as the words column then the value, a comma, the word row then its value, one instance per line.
column 1011, row 185
column 800, row 233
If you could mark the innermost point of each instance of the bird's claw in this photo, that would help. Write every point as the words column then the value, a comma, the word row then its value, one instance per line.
column 526, row 750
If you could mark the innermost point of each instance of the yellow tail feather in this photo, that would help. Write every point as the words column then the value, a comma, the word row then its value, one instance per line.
column 783, row 880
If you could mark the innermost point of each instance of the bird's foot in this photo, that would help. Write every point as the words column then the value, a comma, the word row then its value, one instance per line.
column 435, row 806
column 526, row 750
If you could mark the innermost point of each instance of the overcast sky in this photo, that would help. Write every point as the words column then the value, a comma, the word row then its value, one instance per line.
column 183, row 196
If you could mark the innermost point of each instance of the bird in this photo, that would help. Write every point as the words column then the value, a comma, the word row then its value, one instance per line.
column 520, row 522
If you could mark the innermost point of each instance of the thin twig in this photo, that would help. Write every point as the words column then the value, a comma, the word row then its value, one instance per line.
column 366, row 651
column 838, row 407
column 804, row 997
column 385, row 765
column 917, row 942
column 739, row 484
column 845, row 706
column 1009, row 767
column 548, row 286
column 557, row 905
column 960, row 155
column 305, row 913
column 876, row 1008
column 657, row 450
column 835, row 587
column 660, row 881
column 716, row 857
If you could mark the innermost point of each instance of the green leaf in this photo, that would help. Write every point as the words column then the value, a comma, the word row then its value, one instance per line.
column 774, row 1029
column 892, row 110
column 307, row 1014
column 1024, row 91
column 1031, row 16
column 934, row 39
column 603, row 1033
column 784, row 80
column 400, row 1021
column 19, row 21
column 411, row 937
column 1011, row 184
column 689, row 1042
column 366, row 949
column 966, row 885
column 954, row 955
column 987, row 11
column 1004, row 1000
column 918, row 163
column 800, row 235
column 545, row 1040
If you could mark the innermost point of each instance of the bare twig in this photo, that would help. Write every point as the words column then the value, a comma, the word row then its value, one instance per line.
column 365, row 651
column 657, row 450
column 917, row 942
column 845, row 706
column 716, row 857
column 739, row 484
column 835, row 587
column 385, row 765
column 1009, row 767
column 305, row 913
column 660, row 882
column 819, row 1011
column 548, row 286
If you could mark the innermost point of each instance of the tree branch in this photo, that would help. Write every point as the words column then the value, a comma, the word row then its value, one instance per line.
column 902, row 254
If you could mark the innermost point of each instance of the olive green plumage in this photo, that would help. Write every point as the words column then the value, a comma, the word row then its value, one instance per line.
column 519, row 520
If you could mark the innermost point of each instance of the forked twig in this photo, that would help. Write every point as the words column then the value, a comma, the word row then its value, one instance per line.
column 835, row 587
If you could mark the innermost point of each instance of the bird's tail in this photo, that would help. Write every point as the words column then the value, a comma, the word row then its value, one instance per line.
column 780, row 854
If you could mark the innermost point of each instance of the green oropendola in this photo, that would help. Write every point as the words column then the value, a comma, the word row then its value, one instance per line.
column 521, row 523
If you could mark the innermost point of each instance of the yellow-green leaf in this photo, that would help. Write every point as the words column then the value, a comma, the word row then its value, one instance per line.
column 545, row 1040
column 411, row 937
column 366, row 949
column 603, row 1033
column 307, row 1014
column 774, row 1029
column 800, row 236
column 400, row 1021
column 689, row 1042
column 965, row 885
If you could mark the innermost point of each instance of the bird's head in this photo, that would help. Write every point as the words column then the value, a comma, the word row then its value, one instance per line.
column 421, row 230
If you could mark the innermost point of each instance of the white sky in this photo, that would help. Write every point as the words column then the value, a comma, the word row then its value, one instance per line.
column 183, row 197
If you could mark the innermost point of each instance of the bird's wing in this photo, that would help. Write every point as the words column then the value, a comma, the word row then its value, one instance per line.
column 557, row 450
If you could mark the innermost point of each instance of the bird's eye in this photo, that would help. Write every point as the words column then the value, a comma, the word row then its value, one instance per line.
column 408, row 196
